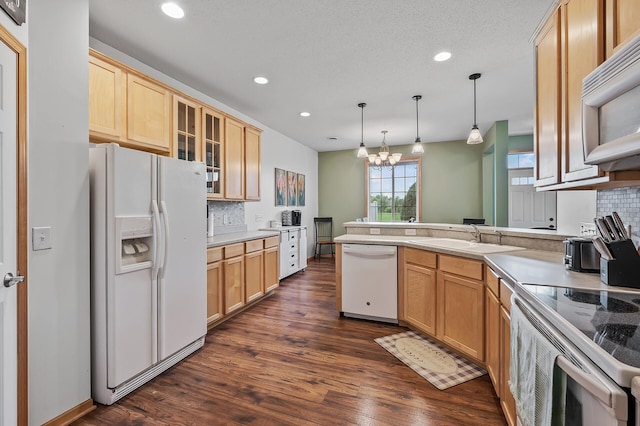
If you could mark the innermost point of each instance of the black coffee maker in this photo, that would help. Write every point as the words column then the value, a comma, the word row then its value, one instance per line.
column 296, row 217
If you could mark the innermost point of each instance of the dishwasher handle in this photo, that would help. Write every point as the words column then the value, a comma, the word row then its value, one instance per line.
column 369, row 251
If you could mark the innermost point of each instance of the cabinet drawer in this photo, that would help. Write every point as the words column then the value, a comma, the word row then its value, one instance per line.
column 493, row 281
column 294, row 235
column 460, row 266
column 420, row 257
column 233, row 250
column 254, row 245
column 214, row 254
column 505, row 295
column 292, row 247
column 271, row 242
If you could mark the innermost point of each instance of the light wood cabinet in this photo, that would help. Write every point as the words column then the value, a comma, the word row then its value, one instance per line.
column 234, row 288
column 420, row 290
column 252, row 164
column 271, row 263
column 461, row 313
column 186, row 144
column 107, row 89
column 234, row 160
column 254, row 270
column 148, row 114
column 215, row 308
column 622, row 23
column 492, row 337
column 572, row 43
column 213, row 152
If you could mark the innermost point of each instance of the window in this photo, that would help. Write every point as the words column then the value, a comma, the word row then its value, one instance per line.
column 521, row 160
column 393, row 192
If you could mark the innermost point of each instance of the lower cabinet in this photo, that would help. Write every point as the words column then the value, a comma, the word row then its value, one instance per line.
column 420, row 290
column 492, row 338
column 238, row 274
column 507, row 401
column 444, row 297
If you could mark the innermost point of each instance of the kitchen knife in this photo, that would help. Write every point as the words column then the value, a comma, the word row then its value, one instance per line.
column 621, row 227
column 602, row 248
column 613, row 228
column 602, row 230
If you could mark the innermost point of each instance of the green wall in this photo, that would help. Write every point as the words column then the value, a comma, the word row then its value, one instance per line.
column 520, row 143
column 451, row 183
column 496, row 148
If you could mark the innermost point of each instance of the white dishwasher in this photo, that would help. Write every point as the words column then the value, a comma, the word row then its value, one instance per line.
column 370, row 282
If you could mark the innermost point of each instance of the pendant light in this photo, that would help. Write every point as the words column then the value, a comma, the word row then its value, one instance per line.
column 474, row 137
column 417, row 145
column 362, row 151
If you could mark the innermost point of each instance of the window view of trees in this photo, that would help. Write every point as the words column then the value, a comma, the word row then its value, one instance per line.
column 393, row 192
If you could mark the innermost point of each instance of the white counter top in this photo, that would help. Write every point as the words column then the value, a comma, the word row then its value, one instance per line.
column 238, row 237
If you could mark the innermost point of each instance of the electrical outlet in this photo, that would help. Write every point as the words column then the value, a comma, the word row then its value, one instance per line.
column 41, row 238
column 225, row 219
column 409, row 232
column 374, row 231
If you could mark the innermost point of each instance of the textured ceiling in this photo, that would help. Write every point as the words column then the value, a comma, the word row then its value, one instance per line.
column 326, row 56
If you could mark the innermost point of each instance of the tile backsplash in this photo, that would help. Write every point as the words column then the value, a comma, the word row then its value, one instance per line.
column 625, row 201
column 228, row 216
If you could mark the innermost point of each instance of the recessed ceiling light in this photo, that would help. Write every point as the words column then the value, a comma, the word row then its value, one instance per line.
column 442, row 56
column 172, row 10
column 332, row 138
column 261, row 80
column 305, row 114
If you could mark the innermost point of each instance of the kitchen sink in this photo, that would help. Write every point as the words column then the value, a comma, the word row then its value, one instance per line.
column 464, row 245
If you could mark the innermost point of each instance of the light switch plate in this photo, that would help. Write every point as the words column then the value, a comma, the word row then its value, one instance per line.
column 41, row 238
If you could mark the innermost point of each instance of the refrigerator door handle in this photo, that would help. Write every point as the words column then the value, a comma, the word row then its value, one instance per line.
column 165, row 251
column 156, row 238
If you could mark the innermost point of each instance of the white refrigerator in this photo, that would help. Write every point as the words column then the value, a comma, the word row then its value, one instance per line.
column 148, row 266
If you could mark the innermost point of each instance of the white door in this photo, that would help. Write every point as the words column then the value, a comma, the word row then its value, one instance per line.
column 8, row 250
column 527, row 207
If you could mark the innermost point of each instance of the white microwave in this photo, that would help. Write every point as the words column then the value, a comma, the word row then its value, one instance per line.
column 611, row 111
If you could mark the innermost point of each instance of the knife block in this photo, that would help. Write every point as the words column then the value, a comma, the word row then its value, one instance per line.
column 624, row 269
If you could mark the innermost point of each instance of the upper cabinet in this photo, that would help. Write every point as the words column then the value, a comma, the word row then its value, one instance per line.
column 213, row 151
column 136, row 111
column 234, row 160
column 186, row 130
column 107, row 90
column 252, row 164
column 623, row 23
column 126, row 108
column 570, row 45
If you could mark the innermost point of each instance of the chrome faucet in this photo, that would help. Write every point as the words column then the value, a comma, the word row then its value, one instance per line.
column 499, row 235
column 476, row 233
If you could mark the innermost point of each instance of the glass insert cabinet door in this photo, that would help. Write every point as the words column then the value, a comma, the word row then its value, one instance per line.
column 213, row 148
column 186, row 130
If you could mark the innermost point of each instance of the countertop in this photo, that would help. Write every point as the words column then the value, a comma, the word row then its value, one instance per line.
column 238, row 237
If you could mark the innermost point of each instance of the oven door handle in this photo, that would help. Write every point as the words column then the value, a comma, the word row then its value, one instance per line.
column 594, row 387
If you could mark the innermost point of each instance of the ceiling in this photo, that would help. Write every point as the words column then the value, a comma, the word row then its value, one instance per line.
column 326, row 56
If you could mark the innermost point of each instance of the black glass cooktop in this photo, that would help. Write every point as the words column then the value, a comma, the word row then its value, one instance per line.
column 610, row 319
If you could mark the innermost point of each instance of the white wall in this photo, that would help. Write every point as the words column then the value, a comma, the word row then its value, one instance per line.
column 277, row 150
column 574, row 207
column 59, row 345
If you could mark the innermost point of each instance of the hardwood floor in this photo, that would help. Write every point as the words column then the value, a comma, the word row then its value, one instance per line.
column 291, row 360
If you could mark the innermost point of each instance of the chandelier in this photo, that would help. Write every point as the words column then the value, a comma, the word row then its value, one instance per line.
column 384, row 158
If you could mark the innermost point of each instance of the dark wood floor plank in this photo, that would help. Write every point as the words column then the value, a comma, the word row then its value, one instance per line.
column 292, row 360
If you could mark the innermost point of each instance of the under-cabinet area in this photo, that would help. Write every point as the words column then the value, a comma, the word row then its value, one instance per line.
column 240, row 274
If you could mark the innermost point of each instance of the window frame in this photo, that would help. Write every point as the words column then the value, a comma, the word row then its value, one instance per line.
column 408, row 159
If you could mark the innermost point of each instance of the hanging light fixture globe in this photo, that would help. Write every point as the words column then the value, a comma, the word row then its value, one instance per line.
column 417, row 145
column 384, row 158
column 475, row 137
column 362, row 151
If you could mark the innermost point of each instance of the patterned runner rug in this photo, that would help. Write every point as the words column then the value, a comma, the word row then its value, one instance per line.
column 440, row 366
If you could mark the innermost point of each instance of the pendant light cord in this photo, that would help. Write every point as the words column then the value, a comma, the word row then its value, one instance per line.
column 417, row 99
column 475, row 122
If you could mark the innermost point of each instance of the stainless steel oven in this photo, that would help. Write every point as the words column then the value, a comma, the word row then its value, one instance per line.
column 594, row 332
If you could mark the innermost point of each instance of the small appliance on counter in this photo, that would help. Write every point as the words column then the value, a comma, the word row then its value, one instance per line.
column 286, row 218
column 296, row 217
column 580, row 255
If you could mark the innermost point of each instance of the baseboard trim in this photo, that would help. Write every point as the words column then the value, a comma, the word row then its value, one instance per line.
column 72, row 414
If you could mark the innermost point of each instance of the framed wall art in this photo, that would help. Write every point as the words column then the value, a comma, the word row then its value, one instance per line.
column 292, row 186
column 16, row 9
column 281, row 187
column 301, row 192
